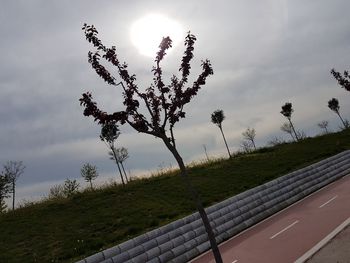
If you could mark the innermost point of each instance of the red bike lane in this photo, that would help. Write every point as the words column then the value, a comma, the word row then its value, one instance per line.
column 289, row 234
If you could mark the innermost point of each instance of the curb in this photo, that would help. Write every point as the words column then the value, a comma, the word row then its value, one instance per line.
column 323, row 242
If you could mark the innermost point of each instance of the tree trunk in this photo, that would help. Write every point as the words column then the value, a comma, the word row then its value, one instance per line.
column 291, row 135
column 91, row 185
column 254, row 144
column 229, row 154
column 13, row 195
column 206, row 154
column 196, row 199
column 295, row 134
column 126, row 178
column 115, row 159
column 345, row 126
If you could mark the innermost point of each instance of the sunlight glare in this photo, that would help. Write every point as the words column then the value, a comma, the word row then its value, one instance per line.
column 147, row 33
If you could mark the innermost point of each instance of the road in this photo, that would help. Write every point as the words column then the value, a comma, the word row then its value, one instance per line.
column 289, row 234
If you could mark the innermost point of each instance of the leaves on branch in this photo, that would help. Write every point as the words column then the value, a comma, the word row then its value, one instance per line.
column 343, row 80
column 287, row 110
column 333, row 104
column 164, row 103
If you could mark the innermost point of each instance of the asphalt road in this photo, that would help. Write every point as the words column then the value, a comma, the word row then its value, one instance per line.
column 289, row 234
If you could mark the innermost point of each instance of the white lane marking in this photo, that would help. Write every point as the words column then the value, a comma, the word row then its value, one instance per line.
column 284, row 229
column 235, row 261
column 323, row 242
column 330, row 200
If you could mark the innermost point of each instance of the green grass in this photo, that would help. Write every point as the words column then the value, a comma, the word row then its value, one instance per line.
column 66, row 230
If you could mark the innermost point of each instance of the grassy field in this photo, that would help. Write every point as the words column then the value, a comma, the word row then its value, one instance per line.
column 66, row 230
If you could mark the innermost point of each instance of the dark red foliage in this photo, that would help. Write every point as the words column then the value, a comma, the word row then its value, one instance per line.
column 344, row 80
column 164, row 103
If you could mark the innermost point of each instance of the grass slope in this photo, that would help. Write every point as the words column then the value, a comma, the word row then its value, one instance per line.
column 68, row 229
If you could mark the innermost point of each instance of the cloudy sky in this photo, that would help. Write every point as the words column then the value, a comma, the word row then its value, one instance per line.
column 264, row 53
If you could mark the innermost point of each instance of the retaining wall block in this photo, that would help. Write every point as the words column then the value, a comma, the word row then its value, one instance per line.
column 154, row 260
column 203, row 247
column 189, row 235
column 166, row 257
column 199, row 231
column 166, row 247
column 139, row 259
column 96, row 258
column 179, row 250
column 154, row 233
column 190, row 244
column 110, row 252
column 180, row 259
column 127, row 245
column 201, row 239
column 162, row 239
column 136, row 251
column 121, row 257
column 140, row 239
column 152, row 253
column 149, row 244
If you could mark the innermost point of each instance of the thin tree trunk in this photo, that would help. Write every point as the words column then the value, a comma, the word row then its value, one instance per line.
column 91, row 185
column 225, row 141
column 345, row 126
column 196, row 199
column 295, row 134
column 13, row 195
column 254, row 144
column 206, row 154
column 120, row 172
column 115, row 159
column 291, row 134
column 126, row 178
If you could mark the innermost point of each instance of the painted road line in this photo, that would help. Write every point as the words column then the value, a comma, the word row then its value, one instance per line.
column 330, row 200
column 284, row 229
column 323, row 242
column 235, row 261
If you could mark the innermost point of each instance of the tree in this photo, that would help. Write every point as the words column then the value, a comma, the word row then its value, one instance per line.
column 333, row 104
column 323, row 125
column 246, row 146
column 217, row 117
column 70, row 187
column 56, row 191
column 120, row 155
column 12, row 171
column 164, row 103
column 4, row 191
column 249, row 136
column 343, row 80
column 275, row 141
column 287, row 128
column 89, row 173
column 109, row 134
column 287, row 111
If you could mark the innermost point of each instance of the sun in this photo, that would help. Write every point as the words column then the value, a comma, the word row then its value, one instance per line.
column 147, row 33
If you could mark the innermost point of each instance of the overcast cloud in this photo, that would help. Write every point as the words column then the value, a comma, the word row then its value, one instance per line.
column 264, row 53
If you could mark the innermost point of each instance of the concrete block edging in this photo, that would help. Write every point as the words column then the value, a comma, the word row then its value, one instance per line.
column 185, row 239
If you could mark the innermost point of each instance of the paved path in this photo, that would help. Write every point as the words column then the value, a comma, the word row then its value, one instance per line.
column 289, row 234
column 337, row 250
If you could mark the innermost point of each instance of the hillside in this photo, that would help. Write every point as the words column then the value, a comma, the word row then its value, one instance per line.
column 66, row 230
